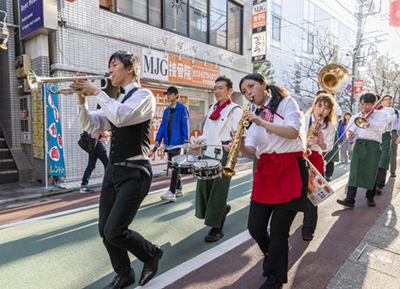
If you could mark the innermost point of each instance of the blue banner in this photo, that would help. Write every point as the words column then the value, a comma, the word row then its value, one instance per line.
column 56, row 151
column 31, row 16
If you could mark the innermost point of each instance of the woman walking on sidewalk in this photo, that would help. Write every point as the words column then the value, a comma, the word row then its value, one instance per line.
column 347, row 148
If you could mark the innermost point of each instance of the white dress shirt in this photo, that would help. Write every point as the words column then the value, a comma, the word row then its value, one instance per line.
column 327, row 132
column 390, row 113
column 139, row 108
column 231, row 124
column 267, row 143
column 396, row 120
column 374, row 132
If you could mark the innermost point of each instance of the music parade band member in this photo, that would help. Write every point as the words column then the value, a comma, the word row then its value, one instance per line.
column 175, row 119
column 281, row 179
column 211, row 195
column 385, row 145
column 322, row 141
column 395, row 135
column 366, row 152
column 128, row 176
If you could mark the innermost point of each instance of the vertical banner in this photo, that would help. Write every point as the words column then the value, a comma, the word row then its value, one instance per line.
column 259, row 31
column 394, row 13
column 358, row 87
column 56, row 151
column 37, row 123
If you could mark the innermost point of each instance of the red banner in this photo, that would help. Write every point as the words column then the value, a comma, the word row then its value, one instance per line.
column 394, row 13
column 358, row 86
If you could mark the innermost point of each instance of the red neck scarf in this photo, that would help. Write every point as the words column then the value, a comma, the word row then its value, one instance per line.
column 217, row 113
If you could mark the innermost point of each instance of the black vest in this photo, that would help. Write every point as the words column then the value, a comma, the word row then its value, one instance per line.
column 130, row 141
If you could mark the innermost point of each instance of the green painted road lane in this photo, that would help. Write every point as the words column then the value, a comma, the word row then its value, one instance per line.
column 67, row 252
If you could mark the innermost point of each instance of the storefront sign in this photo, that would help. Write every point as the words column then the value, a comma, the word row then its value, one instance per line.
column 37, row 17
column 194, row 136
column 358, row 86
column 394, row 14
column 37, row 124
column 259, row 30
column 170, row 68
column 56, row 151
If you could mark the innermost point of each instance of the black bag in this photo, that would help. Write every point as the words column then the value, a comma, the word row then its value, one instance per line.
column 87, row 143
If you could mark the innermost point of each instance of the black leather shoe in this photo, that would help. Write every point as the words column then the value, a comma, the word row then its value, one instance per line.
column 371, row 203
column 121, row 282
column 378, row 191
column 345, row 203
column 392, row 175
column 150, row 267
column 308, row 238
column 214, row 235
column 272, row 283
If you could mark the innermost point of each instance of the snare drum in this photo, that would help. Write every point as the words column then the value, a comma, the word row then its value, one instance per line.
column 207, row 169
column 181, row 165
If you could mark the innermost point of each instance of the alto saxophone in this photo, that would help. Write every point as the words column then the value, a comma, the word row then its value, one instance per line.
column 227, row 170
column 311, row 132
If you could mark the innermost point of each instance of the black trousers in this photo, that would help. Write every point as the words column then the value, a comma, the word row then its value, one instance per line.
column 175, row 178
column 329, row 169
column 381, row 178
column 352, row 192
column 123, row 191
column 275, row 244
column 310, row 220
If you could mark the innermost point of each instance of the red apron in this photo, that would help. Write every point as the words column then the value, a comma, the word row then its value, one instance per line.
column 318, row 161
column 277, row 178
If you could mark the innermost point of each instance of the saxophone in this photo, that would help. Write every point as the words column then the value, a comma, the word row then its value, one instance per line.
column 311, row 132
column 227, row 170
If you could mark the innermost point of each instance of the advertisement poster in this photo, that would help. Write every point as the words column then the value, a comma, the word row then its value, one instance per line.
column 56, row 152
column 318, row 188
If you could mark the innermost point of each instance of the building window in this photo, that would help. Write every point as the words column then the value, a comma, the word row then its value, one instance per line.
column 310, row 43
column 155, row 7
column 198, row 17
column 133, row 8
column 176, row 16
column 276, row 28
column 218, row 23
column 235, row 18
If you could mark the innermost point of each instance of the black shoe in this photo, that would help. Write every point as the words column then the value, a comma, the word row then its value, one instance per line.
column 378, row 191
column 392, row 175
column 265, row 274
column 371, row 203
column 214, row 235
column 345, row 203
column 121, row 282
column 308, row 238
column 150, row 267
column 328, row 178
column 272, row 283
column 227, row 210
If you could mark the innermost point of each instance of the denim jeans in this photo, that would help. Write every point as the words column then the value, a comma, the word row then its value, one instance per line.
column 100, row 153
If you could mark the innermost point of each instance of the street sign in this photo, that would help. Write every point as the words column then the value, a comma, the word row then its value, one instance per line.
column 259, row 30
column 348, row 87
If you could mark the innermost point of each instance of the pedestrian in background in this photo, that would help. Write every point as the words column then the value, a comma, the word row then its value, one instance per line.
column 174, row 130
column 346, row 149
column 395, row 135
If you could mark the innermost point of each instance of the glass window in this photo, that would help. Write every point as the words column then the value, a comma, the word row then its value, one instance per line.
column 276, row 28
column 176, row 16
column 310, row 43
column 234, row 27
column 198, row 17
column 155, row 12
column 134, row 8
column 218, row 23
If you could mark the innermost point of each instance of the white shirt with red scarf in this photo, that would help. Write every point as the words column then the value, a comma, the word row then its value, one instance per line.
column 328, row 134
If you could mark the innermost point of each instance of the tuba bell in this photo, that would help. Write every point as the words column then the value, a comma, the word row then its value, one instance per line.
column 333, row 78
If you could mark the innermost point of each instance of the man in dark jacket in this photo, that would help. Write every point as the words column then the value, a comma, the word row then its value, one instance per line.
column 176, row 120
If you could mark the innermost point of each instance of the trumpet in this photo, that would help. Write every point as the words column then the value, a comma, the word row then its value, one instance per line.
column 35, row 81
column 228, row 169
column 311, row 132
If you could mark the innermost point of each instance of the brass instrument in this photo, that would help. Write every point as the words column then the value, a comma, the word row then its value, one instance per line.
column 333, row 78
column 34, row 81
column 227, row 170
column 311, row 132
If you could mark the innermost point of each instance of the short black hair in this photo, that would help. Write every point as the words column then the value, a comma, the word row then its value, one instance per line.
column 323, row 91
column 128, row 59
column 227, row 79
column 368, row 97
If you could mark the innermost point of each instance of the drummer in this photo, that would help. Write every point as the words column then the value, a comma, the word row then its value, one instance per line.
column 176, row 119
column 211, row 195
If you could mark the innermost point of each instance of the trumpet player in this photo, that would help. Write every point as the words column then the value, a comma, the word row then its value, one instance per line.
column 366, row 152
column 320, row 137
column 281, row 178
column 128, row 176
column 211, row 195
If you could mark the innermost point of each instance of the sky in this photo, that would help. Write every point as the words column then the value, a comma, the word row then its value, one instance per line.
column 379, row 22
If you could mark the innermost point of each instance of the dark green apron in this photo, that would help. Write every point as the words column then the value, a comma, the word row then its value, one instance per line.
column 211, row 196
column 385, row 146
column 364, row 164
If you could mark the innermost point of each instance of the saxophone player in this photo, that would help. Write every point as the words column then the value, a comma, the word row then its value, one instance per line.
column 319, row 120
column 280, row 182
column 211, row 195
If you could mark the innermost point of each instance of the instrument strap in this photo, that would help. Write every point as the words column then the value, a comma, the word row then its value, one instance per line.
column 126, row 97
